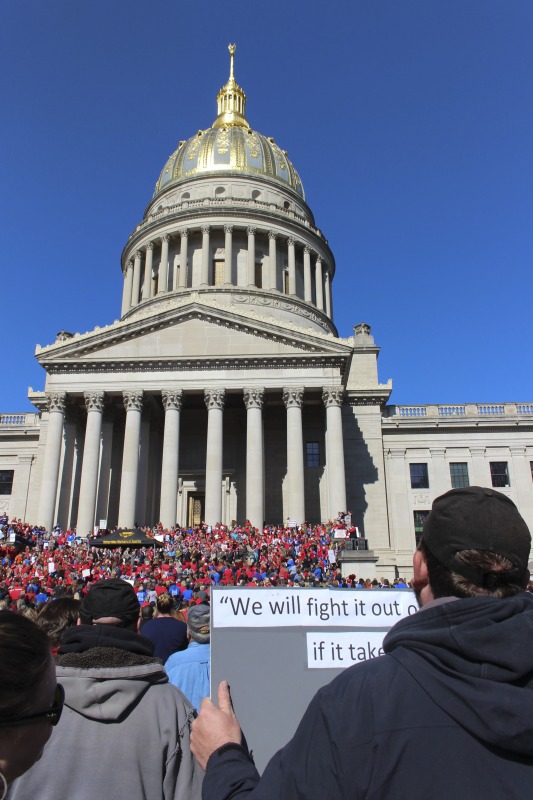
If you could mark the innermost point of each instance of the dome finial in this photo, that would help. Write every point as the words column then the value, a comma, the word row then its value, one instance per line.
column 231, row 99
column 231, row 48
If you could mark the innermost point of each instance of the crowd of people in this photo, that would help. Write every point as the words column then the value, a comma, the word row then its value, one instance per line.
column 36, row 565
column 117, row 661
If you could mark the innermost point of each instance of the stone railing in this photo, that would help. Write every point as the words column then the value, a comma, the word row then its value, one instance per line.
column 12, row 420
column 486, row 410
column 228, row 202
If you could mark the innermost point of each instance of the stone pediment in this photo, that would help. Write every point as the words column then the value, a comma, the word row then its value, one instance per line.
column 197, row 330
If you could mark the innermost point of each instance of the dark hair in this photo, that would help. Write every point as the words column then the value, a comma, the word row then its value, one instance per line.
column 500, row 576
column 58, row 615
column 24, row 657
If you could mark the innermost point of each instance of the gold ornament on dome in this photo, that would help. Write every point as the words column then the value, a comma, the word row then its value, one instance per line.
column 249, row 151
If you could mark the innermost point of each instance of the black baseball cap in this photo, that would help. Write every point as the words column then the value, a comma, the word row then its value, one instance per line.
column 476, row 518
column 110, row 598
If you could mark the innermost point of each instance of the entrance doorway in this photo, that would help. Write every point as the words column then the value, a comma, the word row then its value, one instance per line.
column 196, row 510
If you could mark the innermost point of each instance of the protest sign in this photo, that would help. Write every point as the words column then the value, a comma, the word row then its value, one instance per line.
column 278, row 646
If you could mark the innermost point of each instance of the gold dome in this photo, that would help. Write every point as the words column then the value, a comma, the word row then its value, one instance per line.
column 230, row 145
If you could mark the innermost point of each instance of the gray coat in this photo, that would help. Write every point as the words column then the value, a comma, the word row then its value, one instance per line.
column 124, row 733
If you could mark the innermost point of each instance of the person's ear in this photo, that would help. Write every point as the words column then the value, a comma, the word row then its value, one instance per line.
column 420, row 569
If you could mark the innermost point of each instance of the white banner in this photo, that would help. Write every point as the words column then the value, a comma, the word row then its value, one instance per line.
column 340, row 650
column 277, row 608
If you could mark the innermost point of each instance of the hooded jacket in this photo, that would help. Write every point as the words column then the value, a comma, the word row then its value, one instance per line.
column 124, row 730
column 447, row 712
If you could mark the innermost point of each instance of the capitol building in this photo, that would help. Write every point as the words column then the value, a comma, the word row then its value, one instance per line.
column 224, row 393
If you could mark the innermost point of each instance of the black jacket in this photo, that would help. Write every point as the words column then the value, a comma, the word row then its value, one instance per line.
column 446, row 713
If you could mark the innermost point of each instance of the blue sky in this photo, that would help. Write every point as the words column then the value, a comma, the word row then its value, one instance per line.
column 409, row 121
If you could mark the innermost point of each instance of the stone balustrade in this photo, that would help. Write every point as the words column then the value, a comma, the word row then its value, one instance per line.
column 466, row 410
column 10, row 420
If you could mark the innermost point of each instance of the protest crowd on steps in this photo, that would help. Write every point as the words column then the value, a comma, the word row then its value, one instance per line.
column 36, row 565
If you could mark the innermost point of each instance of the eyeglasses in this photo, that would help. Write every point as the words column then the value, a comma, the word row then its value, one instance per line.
column 52, row 715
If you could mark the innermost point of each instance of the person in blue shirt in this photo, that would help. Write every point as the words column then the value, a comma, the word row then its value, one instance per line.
column 189, row 669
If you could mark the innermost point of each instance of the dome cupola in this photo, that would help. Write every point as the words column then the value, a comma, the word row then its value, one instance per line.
column 230, row 145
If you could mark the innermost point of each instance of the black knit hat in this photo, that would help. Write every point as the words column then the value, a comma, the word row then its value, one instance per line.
column 110, row 598
column 476, row 518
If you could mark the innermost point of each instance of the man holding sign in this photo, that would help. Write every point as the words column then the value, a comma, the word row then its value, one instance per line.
column 446, row 712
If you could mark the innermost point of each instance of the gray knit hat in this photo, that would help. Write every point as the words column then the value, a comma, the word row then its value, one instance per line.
column 198, row 622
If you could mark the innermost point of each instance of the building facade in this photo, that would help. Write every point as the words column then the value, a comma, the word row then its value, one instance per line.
column 224, row 393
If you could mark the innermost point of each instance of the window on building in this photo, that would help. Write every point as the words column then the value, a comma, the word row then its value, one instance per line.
column 312, row 453
column 499, row 473
column 285, row 282
column 419, row 517
column 459, row 475
column 258, row 274
column 419, row 476
column 218, row 273
column 531, row 467
column 6, row 481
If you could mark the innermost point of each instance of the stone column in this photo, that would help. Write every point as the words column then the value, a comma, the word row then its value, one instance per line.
column 255, row 492
column 204, row 281
column 133, row 402
column 441, row 471
column 172, row 400
column 148, row 264
column 251, row 256
column 480, row 467
column 327, row 291
column 293, row 399
column 292, row 273
column 228, row 251
column 52, row 454
column 308, row 295
column 106, row 465
column 162, row 283
column 94, row 402
column 184, row 248
column 126, row 292
column 332, row 397
column 521, row 477
column 319, row 284
column 272, row 261
column 136, row 283
column 214, row 400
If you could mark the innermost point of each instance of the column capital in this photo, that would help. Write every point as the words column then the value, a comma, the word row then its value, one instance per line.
column 129, row 265
column 318, row 258
column 206, row 228
column 332, row 396
column 149, row 246
column 94, row 401
column 133, row 399
column 228, row 228
column 272, row 235
column 250, row 230
column 437, row 452
column 56, row 401
column 138, row 254
column 214, row 398
column 184, row 232
column 165, row 237
column 307, row 250
column 253, row 397
column 291, row 241
column 293, row 396
column 478, row 451
column 397, row 452
column 172, row 399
